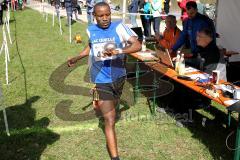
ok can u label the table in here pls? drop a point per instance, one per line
(153, 63)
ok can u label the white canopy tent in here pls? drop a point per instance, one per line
(228, 24)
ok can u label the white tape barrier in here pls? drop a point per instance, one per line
(5, 48)
(8, 29)
(60, 24)
(53, 18)
(4, 111)
(6, 122)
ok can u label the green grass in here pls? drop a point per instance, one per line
(52, 124)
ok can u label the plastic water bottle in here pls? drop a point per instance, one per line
(181, 65)
(177, 61)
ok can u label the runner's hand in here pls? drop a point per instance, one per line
(72, 61)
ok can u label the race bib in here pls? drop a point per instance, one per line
(98, 50)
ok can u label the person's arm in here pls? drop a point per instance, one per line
(133, 46)
(81, 55)
(128, 36)
(182, 38)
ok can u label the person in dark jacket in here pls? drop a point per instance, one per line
(69, 9)
(143, 18)
(75, 8)
(166, 6)
(193, 24)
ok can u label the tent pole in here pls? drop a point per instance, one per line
(124, 10)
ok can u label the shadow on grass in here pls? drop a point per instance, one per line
(213, 135)
(211, 132)
(62, 109)
(150, 84)
(29, 137)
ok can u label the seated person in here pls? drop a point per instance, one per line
(210, 53)
(170, 34)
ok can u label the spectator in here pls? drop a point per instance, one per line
(75, 8)
(182, 5)
(142, 17)
(133, 8)
(170, 34)
(147, 9)
(107, 66)
(69, 9)
(56, 4)
(62, 3)
(14, 4)
(193, 24)
(20, 4)
(156, 9)
(90, 5)
(213, 59)
(166, 7)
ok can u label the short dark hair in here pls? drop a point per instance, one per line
(191, 4)
(171, 16)
(207, 31)
(100, 4)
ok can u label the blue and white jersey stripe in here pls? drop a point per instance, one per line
(107, 69)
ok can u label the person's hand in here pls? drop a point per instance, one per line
(174, 59)
(72, 61)
(110, 52)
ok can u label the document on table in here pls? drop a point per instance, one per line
(190, 69)
(223, 87)
(199, 76)
(230, 102)
(146, 55)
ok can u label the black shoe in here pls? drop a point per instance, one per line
(115, 158)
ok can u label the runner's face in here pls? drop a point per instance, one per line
(103, 16)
